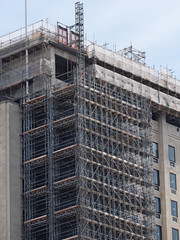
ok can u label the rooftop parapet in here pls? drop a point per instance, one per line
(65, 35)
(20, 35)
(161, 79)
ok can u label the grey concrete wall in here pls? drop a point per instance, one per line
(166, 134)
(10, 181)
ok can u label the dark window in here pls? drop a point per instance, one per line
(156, 177)
(155, 152)
(157, 205)
(158, 233)
(155, 116)
(174, 210)
(173, 180)
(64, 68)
(173, 120)
(171, 153)
(175, 234)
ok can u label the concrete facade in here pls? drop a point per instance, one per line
(10, 181)
(166, 134)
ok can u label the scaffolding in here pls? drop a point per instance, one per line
(133, 54)
(86, 140)
(105, 193)
(48, 160)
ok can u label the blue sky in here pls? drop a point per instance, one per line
(152, 26)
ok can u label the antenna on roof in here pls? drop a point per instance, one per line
(27, 60)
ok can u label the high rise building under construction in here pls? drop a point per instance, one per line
(89, 139)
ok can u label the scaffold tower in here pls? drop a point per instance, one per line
(86, 144)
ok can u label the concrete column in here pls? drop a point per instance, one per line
(53, 66)
(0, 66)
(10, 182)
(164, 177)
